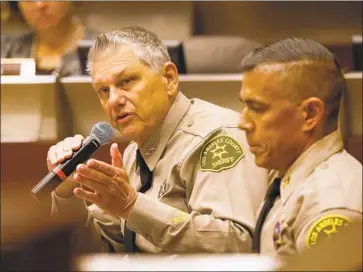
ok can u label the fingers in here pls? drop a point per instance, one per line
(77, 141)
(92, 197)
(91, 184)
(66, 150)
(51, 157)
(116, 157)
(116, 169)
(107, 182)
(109, 185)
(105, 168)
(63, 150)
(98, 183)
(86, 172)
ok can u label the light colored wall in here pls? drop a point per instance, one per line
(325, 21)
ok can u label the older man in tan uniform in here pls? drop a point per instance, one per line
(292, 90)
(187, 183)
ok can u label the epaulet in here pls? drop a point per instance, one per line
(329, 187)
(206, 118)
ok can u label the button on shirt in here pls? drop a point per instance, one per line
(320, 193)
(206, 187)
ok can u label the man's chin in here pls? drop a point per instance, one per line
(42, 26)
(128, 134)
(261, 161)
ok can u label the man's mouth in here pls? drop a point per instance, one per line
(124, 117)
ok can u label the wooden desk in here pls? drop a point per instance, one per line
(30, 109)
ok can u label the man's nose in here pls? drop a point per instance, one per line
(116, 98)
(41, 4)
(245, 124)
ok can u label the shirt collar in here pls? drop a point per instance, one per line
(308, 161)
(155, 145)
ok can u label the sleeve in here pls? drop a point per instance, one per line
(71, 205)
(97, 229)
(86, 237)
(316, 229)
(105, 227)
(327, 206)
(223, 191)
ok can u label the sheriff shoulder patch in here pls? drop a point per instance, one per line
(325, 227)
(221, 152)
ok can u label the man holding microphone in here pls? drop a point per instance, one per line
(186, 183)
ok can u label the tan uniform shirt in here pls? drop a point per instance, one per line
(206, 187)
(320, 193)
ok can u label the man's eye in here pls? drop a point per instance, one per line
(257, 108)
(126, 82)
(103, 90)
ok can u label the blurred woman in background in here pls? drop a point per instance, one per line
(54, 39)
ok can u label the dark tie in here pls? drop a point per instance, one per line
(146, 180)
(271, 195)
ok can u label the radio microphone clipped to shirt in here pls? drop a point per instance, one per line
(101, 134)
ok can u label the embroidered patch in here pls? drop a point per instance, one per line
(324, 227)
(221, 152)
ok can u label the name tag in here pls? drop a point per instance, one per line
(17, 67)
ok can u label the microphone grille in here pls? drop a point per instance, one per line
(103, 132)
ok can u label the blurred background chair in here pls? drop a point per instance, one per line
(206, 54)
(357, 50)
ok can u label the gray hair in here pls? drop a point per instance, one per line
(310, 62)
(146, 45)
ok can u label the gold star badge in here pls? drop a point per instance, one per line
(286, 182)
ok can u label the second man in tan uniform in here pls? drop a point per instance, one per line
(292, 91)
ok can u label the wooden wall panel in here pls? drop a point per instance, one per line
(325, 21)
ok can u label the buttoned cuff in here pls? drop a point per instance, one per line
(149, 218)
(71, 206)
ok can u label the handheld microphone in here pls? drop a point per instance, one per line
(101, 134)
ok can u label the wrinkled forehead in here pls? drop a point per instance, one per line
(113, 61)
(113, 52)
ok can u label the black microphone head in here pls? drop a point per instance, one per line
(103, 132)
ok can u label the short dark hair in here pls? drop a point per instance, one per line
(288, 50)
(312, 62)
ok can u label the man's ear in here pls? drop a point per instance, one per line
(171, 76)
(313, 111)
